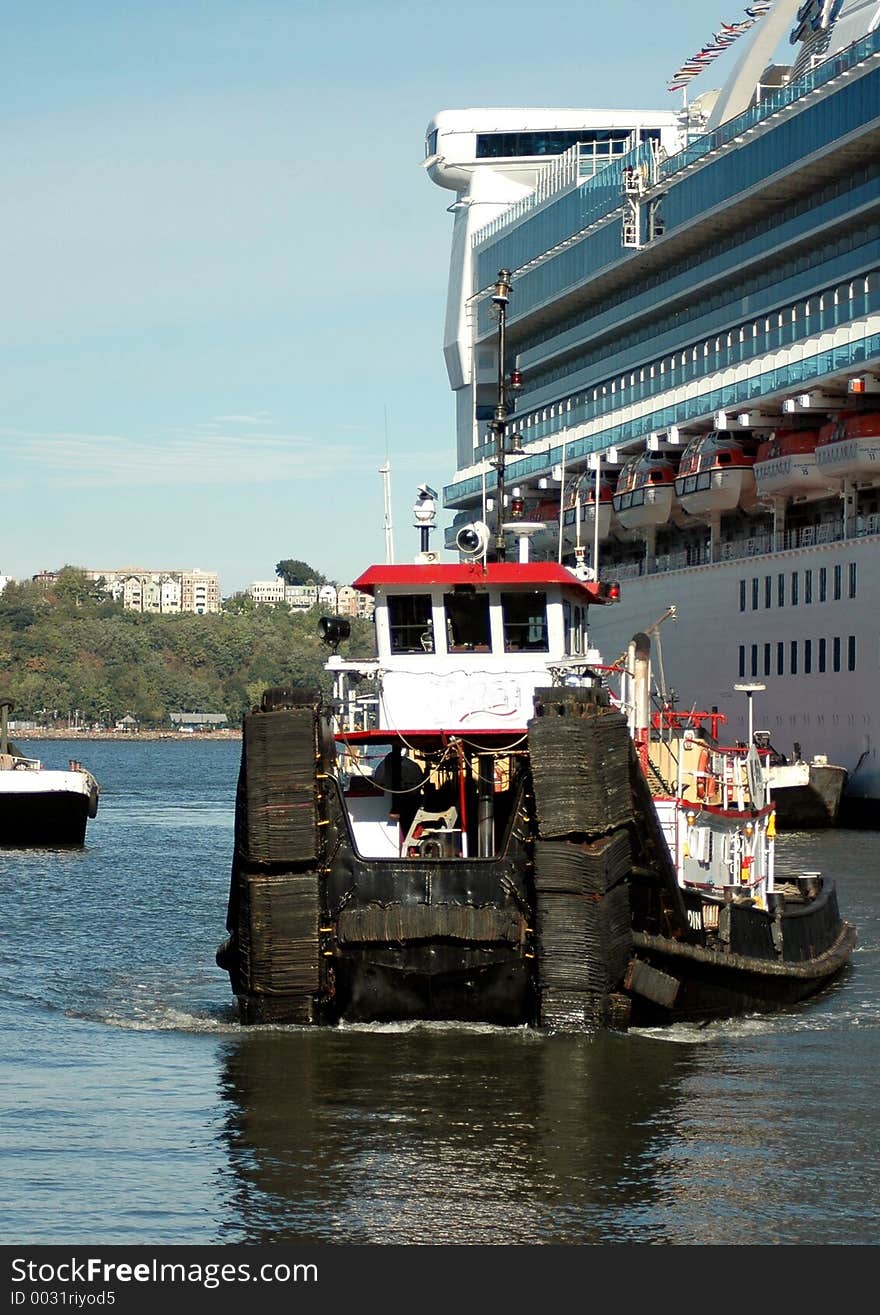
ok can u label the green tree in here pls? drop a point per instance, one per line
(74, 588)
(22, 604)
(294, 571)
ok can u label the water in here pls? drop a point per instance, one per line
(136, 1110)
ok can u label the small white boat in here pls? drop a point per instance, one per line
(806, 794)
(41, 806)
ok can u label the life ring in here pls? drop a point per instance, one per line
(705, 782)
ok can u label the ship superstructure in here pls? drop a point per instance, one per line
(703, 286)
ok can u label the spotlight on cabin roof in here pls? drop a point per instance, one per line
(333, 629)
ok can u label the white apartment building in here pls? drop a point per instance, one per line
(267, 591)
(300, 597)
(340, 600)
(168, 591)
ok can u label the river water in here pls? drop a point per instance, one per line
(136, 1110)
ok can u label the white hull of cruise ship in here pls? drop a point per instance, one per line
(712, 645)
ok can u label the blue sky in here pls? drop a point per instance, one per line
(224, 271)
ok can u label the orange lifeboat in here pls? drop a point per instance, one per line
(645, 491)
(849, 447)
(715, 474)
(786, 465)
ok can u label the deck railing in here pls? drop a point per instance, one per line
(567, 170)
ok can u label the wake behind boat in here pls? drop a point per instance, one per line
(41, 806)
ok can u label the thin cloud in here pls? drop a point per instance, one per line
(258, 418)
(113, 461)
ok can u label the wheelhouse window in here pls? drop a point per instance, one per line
(524, 617)
(573, 619)
(410, 624)
(467, 621)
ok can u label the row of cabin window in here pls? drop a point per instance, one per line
(821, 311)
(801, 654)
(835, 193)
(767, 592)
(524, 623)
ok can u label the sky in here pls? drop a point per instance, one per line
(224, 271)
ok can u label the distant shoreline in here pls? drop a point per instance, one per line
(128, 737)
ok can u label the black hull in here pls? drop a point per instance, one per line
(812, 806)
(770, 963)
(576, 921)
(436, 982)
(49, 820)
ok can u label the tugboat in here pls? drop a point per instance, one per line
(478, 826)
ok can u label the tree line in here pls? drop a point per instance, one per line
(69, 647)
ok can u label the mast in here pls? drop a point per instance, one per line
(498, 425)
(385, 472)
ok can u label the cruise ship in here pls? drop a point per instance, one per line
(690, 368)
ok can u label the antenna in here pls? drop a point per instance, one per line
(385, 472)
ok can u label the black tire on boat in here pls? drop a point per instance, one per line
(279, 780)
(287, 696)
(579, 752)
(93, 801)
(273, 955)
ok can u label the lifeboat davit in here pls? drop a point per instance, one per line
(787, 466)
(715, 474)
(645, 492)
(849, 447)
